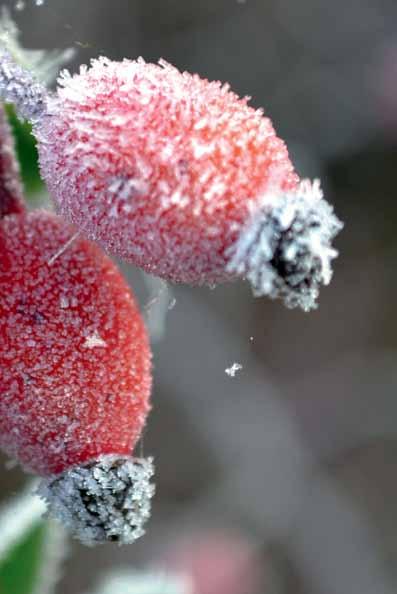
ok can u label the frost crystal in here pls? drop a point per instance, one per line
(108, 499)
(231, 371)
(93, 341)
(285, 251)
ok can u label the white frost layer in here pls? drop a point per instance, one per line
(108, 499)
(138, 582)
(285, 250)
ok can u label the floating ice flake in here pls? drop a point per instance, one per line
(93, 341)
(231, 371)
(20, 5)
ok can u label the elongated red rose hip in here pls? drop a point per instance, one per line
(181, 177)
(75, 377)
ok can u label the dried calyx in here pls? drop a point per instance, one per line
(285, 251)
(105, 500)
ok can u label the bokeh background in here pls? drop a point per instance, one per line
(282, 479)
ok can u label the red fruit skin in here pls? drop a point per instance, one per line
(75, 362)
(162, 168)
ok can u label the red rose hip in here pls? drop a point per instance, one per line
(75, 377)
(179, 176)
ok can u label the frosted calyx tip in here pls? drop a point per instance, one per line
(285, 250)
(105, 500)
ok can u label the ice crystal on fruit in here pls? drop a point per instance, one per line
(108, 499)
(93, 341)
(285, 250)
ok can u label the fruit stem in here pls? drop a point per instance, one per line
(18, 86)
(11, 192)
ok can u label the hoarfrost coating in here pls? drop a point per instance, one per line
(285, 250)
(179, 176)
(158, 166)
(108, 500)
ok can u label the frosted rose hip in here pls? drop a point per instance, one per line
(181, 177)
(75, 375)
(161, 167)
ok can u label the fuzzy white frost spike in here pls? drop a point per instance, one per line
(285, 250)
(108, 499)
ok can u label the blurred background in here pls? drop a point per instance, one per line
(282, 478)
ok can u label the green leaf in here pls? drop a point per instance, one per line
(25, 145)
(32, 549)
(21, 568)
